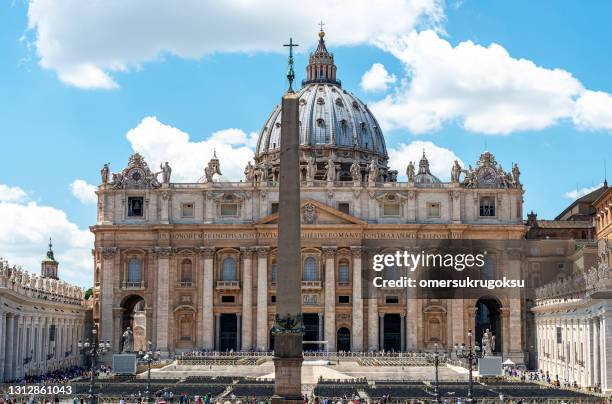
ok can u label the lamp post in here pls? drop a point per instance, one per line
(149, 356)
(470, 353)
(93, 349)
(436, 361)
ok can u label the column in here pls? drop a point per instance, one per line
(596, 345)
(238, 331)
(330, 297)
(588, 360)
(217, 331)
(381, 333)
(262, 298)
(412, 321)
(357, 315)
(207, 255)
(373, 320)
(402, 332)
(247, 298)
(606, 351)
(2, 344)
(505, 316)
(163, 297)
(10, 333)
(106, 290)
(320, 337)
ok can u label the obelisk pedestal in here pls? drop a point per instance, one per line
(288, 327)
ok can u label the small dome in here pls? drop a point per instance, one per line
(424, 176)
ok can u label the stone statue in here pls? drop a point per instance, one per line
(166, 172)
(373, 172)
(249, 173)
(356, 171)
(311, 169)
(410, 171)
(330, 168)
(470, 177)
(488, 343)
(128, 341)
(104, 173)
(516, 173)
(455, 172)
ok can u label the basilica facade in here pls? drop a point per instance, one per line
(193, 265)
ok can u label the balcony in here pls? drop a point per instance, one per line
(184, 284)
(134, 285)
(228, 285)
(311, 285)
(343, 283)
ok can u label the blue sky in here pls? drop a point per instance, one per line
(56, 130)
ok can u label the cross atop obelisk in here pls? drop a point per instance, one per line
(290, 72)
(288, 328)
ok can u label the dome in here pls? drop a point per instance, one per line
(332, 120)
(329, 116)
(424, 176)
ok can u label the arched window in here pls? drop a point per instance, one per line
(229, 269)
(134, 271)
(186, 271)
(343, 272)
(310, 269)
(274, 269)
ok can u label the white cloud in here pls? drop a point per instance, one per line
(594, 111)
(377, 78)
(484, 88)
(84, 192)
(24, 234)
(440, 158)
(86, 41)
(11, 194)
(158, 143)
(578, 193)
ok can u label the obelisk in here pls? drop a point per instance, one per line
(288, 327)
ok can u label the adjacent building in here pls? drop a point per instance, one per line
(41, 320)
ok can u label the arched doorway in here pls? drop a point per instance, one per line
(488, 316)
(392, 332)
(343, 339)
(135, 317)
(311, 331)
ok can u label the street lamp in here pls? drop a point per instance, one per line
(436, 361)
(470, 353)
(149, 356)
(93, 349)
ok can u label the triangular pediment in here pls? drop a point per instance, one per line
(314, 212)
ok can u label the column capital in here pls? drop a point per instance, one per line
(109, 252)
(356, 251)
(207, 252)
(262, 251)
(247, 252)
(163, 252)
(329, 251)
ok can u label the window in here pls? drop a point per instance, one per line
(52, 332)
(310, 269)
(344, 299)
(391, 209)
(135, 206)
(311, 299)
(489, 269)
(273, 299)
(273, 272)
(229, 209)
(391, 299)
(344, 207)
(487, 206)
(228, 299)
(273, 208)
(187, 209)
(134, 275)
(186, 272)
(229, 269)
(343, 272)
(433, 209)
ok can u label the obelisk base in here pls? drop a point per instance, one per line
(288, 368)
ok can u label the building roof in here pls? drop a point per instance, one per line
(564, 224)
(586, 199)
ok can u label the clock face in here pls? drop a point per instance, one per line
(487, 175)
(136, 175)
